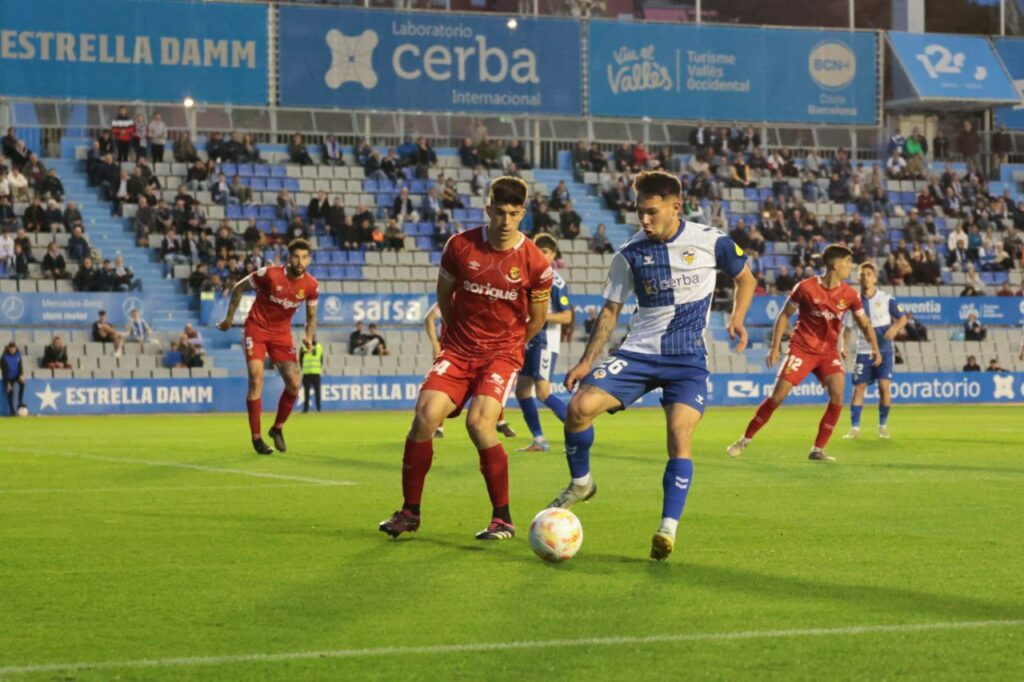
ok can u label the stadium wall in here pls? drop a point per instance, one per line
(57, 397)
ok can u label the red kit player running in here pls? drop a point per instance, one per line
(492, 290)
(821, 302)
(280, 290)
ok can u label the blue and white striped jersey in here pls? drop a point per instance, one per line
(550, 336)
(882, 310)
(674, 282)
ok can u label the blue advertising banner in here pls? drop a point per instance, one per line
(991, 310)
(1011, 52)
(727, 74)
(952, 67)
(57, 397)
(74, 310)
(367, 59)
(128, 50)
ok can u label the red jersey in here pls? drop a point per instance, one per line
(278, 297)
(821, 313)
(493, 290)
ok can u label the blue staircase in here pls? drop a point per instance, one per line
(112, 235)
(587, 203)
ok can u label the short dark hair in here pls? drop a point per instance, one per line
(867, 265)
(544, 240)
(658, 183)
(834, 252)
(298, 245)
(101, 313)
(508, 190)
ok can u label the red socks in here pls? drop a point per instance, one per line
(494, 467)
(254, 408)
(415, 465)
(284, 408)
(761, 417)
(827, 423)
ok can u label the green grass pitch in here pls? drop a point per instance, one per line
(161, 548)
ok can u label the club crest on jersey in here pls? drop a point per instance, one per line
(300, 294)
(689, 255)
(513, 274)
(841, 305)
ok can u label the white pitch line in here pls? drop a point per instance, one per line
(185, 465)
(506, 646)
(151, 489)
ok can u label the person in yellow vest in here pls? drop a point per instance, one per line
(312, 365)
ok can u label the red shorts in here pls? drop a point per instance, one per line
(259, 343)
(798, 364)
(461, 378)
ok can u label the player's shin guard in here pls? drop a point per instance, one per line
(494, 467)
(557, 405)
(828, 423)
(284, 408)
(532, 417)
(855, 411)
(416, 462)
(254, 407)
(577, 452)
(883, 415)
(675, 484)
(761, 417)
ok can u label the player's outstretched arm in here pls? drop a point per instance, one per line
(744, 295)
(869, 333)
(240, 288)
(604, 325)
(778, 331)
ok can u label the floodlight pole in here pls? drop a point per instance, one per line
(1002, 17)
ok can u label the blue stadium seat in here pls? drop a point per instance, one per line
(369, 185)
(267, 212)
(327, 242)
(356, 257)
(250, 212)
(355, 272)
(263, 225)
(245, 170)
(435, 257)
(229, 169)
(303, 211)
(234, 212)
(261, 171)
(338, 257)
(424, 243)
(257, 184)
(409, 173)
(291, 184)
(275, 184)
(278, 172)
(279, 224)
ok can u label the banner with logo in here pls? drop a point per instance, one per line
(726, 74)
(56, 397)
(127, 50)
(991, 310)
(74, 310)
(368, 59)
(1011, 52)
(952, 67)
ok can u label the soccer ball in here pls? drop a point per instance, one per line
(556, 534)
(22, 411)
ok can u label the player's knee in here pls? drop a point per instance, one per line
(479, 426)
(543, 390)
(577, 413)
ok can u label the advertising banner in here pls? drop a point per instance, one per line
(952, 67)
(949, 311)
(126, 50)
(726, 74)
(1011, 52)
(72, 309)
(55, 397)
(368, 59)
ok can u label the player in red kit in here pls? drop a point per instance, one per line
(492, 290)
(280, 290)
(821, 303)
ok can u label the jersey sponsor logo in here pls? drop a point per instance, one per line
(513, 275)
(653, 286)
(827, 314)
(493, 293)
(283, 302)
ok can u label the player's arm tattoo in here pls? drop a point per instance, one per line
(240, 288)
(604, 325)
(310, 319)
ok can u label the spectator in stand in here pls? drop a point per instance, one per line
(171, 252)
(391, 165)
(468, 154)
(569, 222)
(50, 186)
(239, 192)
(338, 223)
(430, 208)
(140, 137)
(216, 148)
(973, 329)
(156, 137)
(489, 152)
(739, 174)
(402, 209)
(377, 341)
(598, 242)
(197, 176)
(194, 337)
(55, 356)
(359, 342)
(34, 218)
(1005, 290)
(8, 219)
(139, 330)
(316, 212)
(87, 277)
(184, 150)
(250, 152)
(9, 142)
(220, 191)
(198, 278)
(69, 218)
(624, 158)
(394, 237)
(424, 157)
(968, 143)
(971, 365)
(6, 250)
(53, 265)
(286, 207)
(18, 184)
(174, 359)
(13, 371)
(372, 167)
(104, 332)
(516, 153)
(122, 129)
(560, 197)
(784, 282)
(297, 152)
(121, 193)
(940, 146)
(124, 277)
(442, 233)
(78, 246)
(331, 152)
(914, 330)
(20, 261)
(1001, 147)
(896, 165)
(450, 198)
(993, 366)
(144, 222)
(297, 229)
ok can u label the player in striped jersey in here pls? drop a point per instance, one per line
(542, 354)
(887, 319)
(670, 266)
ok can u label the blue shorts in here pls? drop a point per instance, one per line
(629, 376)
(865, 372)
(539, 364)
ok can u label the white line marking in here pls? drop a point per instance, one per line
(507, 646)
(185, 465)
(152, 489)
